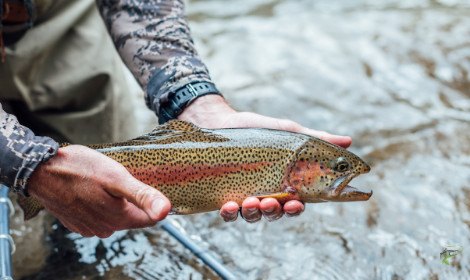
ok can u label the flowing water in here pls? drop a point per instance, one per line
(395, 75)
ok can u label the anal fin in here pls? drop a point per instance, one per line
(30, 206)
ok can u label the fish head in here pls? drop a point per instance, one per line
(323, 170)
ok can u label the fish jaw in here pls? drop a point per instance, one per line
(340, 190)
(350, 194)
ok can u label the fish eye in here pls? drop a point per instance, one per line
(341, 165)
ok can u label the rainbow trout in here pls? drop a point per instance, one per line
(201, 169)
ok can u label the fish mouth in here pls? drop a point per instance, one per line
(341, 191)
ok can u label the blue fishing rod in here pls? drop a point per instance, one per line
(199, 252)
(7, 246)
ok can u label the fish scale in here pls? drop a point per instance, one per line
(201, 169)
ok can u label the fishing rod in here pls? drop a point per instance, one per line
(199, 252)
(7, 246)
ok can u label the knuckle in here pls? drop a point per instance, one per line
(142, 195)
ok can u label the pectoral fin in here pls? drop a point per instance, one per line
(282, 197)
(179, 131)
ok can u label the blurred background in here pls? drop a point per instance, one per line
(393, 74)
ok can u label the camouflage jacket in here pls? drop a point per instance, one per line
(20, 152)
(153, 39)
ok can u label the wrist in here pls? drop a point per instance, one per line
(209, 111)
(42, 175)
(37, 179)
(172, 105)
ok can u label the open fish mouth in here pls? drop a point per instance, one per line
(341, 191)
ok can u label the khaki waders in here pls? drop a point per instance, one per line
(64, 79)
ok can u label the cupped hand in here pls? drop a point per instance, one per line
(92, 194)
(211, 111)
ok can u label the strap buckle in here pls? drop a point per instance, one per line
(191, 90)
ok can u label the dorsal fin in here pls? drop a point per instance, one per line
(173, 127)
(177, 125)
(176, 130)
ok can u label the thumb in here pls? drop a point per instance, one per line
(145, 197)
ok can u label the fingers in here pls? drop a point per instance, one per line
(250, 210)
(229, 211)
(271, 209)
(85, 231)
(342, 141)
(148, 199)
(246, 119)
(134, 218)
(128, 216)
(253, 209)
(293, 208)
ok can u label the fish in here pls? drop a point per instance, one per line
(201, 169)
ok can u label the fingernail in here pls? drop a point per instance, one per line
(157, 206)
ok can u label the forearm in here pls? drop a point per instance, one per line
(154, 40)
(21, 152)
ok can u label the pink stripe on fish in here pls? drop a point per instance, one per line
(168, 174)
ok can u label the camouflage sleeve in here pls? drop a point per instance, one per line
(154, 40)
(21, 152)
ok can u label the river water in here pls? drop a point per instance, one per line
(394, 75)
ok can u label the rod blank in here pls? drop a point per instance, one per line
(202, 254)
(6, 242)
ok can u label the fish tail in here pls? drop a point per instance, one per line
(30, 206)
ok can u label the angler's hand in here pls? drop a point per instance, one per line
(212, 111)
(92, 194)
